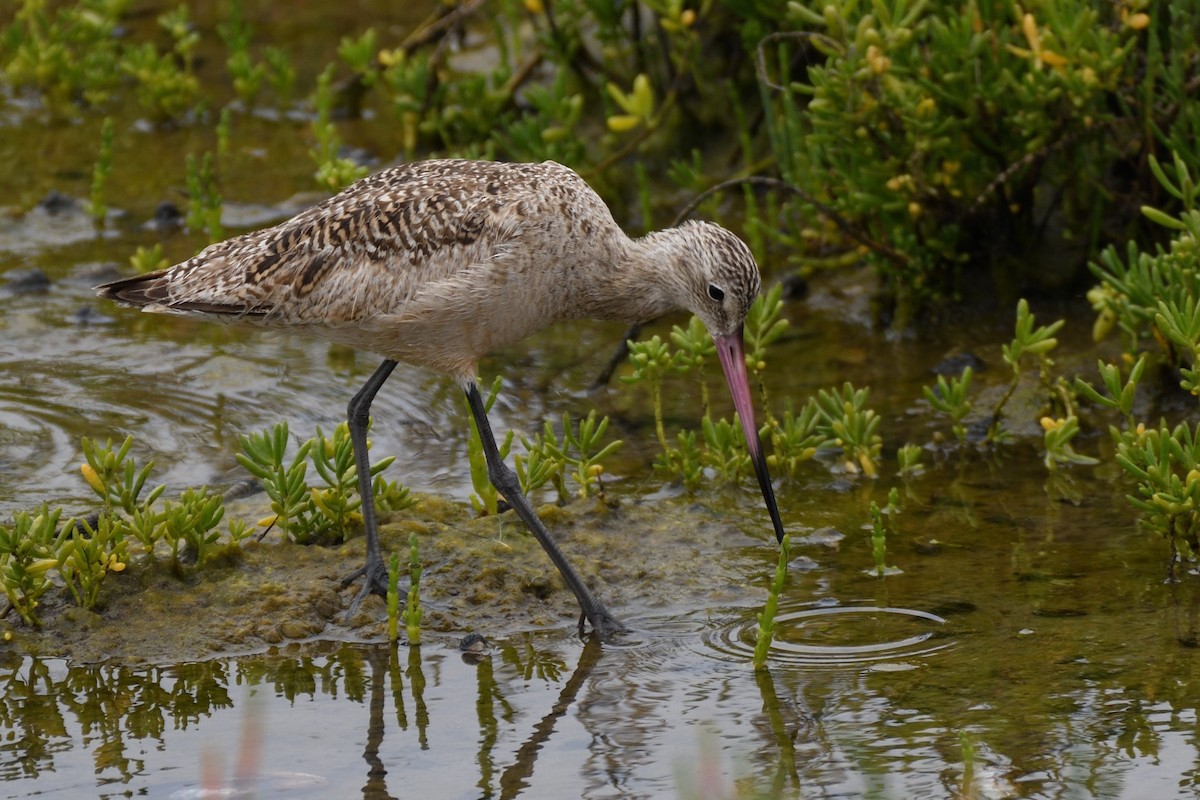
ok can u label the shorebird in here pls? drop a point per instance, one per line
(436, 263)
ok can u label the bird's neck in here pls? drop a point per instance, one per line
(642, 280)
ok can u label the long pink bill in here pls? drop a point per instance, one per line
(732, 354)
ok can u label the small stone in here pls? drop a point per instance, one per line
(167, 216)
(56, 202)
(953, 364)
(88, 315)
(26, 281)
(293, 629)
(473, 643)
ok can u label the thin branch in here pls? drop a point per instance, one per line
(439, 24)
(833, 216)
(760, 59)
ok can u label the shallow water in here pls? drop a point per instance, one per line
(1036, 634)
(1029, 645)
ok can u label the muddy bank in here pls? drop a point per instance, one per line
(482, 575)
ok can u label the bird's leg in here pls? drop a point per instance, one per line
(506, 482)
(358, 418)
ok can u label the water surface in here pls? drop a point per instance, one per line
(1030, 644)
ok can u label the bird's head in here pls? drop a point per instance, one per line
(722, 279)
(720, 284)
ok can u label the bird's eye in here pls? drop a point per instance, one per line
(716, 292)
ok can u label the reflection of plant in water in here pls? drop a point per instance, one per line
(531, 662)
(119, 705)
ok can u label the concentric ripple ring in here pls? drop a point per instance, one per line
(839, 636)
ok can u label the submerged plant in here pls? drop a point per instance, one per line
(412, 606)
(393, 598)
(1120, 395)
(685, 462)
(695, 349)
(97, 206)
(725, 449)
(766, 617)
(334, 171)
(27, 554)
(850, 425)
(338, 504)
(763, 327)
(204, 197)
(1165, 462)
(548, 458)
(908, 458)
(1147, 295)
(1029, 340)
(280, 74)
(84, 552)
(652, 361)
(166, 88)
(246, 74)
(544, 462)
(148, 259)
(950, 398)
(1057, 440)
(796, 438)
(879, 530)
(391, 497)
(837, 418)
(189, 523)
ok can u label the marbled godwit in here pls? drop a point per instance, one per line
(437, 263)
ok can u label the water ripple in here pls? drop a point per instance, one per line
(838, 636)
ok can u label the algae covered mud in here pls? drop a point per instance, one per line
(1027, 638)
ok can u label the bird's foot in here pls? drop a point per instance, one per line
(604, 625)
(375, 581)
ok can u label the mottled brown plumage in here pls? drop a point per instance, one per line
(437, 263)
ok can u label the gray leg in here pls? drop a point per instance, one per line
(358, 416)
(506, 482)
